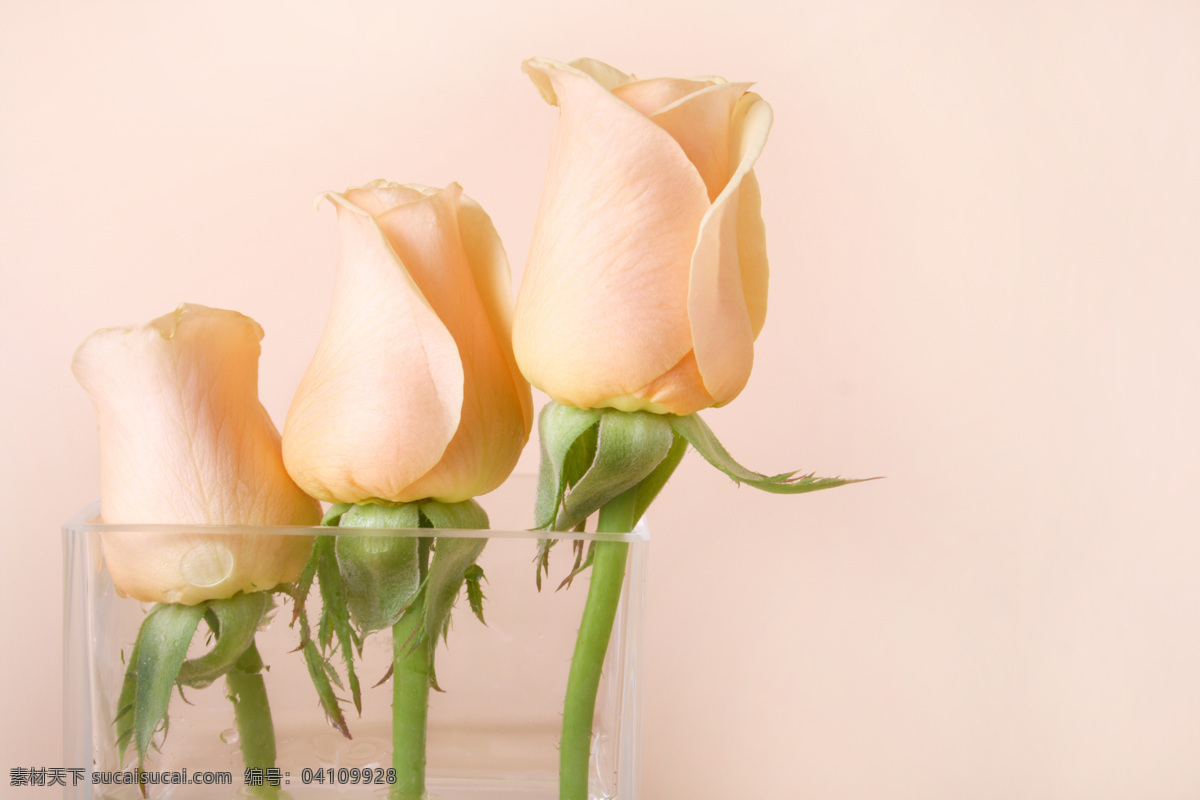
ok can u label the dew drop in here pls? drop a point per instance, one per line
(206, 564)
(229, 736)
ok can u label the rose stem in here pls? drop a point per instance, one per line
(608, 573)
(256, 731)
(411, 679)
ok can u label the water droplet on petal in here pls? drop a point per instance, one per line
(229, 736)
(206, 564)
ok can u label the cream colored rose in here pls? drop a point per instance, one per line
(413, 392)
(184, 440)
(647, 277)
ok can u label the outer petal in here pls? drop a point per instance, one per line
(680, 391)
(720, 319)
(184, 440)
(489, 264)
(496, 415)
(382, 397)
(602, 309)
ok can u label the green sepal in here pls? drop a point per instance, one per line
(333, 516)
(335, 614)
(319, 670)
(162, 646)
(475, 596)
(701, 437)
(127, 700)
(559, 428)
(234, 622)
(452, 557)
(380, 573)
(465, 516)
(628, 448)
(649, 488)
(581, 562)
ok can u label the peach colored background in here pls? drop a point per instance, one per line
(984, 223)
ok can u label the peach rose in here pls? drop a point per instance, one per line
(647, 277)
(413, 392)
(184, 440)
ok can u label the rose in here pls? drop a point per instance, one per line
(413, 392)
(184, 440)
(647, 277)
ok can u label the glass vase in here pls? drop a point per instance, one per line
(493, 729)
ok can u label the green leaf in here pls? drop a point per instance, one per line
(701, 437)
(475, 595)
(237, 620)
(559, 427)
(629, 447)
(162, 645)
(649, 488)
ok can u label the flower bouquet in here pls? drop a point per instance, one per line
(316, 574)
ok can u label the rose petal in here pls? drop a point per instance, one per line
(602, 306)
(654, 94)
(680, 391)
(700, 123)
(357, 430)
(718, 311)
(489, 264)
(428, 239)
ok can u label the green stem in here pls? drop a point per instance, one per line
(412, 676)
(608, 573)
(256, 731)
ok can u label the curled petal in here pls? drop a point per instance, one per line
(718, 308)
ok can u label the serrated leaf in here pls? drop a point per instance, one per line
(701, 437)
(559, 427)
(475, 596)
(161, 648)
(628, 449)
(236, 622)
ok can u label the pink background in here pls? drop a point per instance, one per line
(983, 223)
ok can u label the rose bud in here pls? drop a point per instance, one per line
(184, 440)
(413, 392)
(646, 284)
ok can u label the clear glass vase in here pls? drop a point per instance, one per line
(493, 731)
